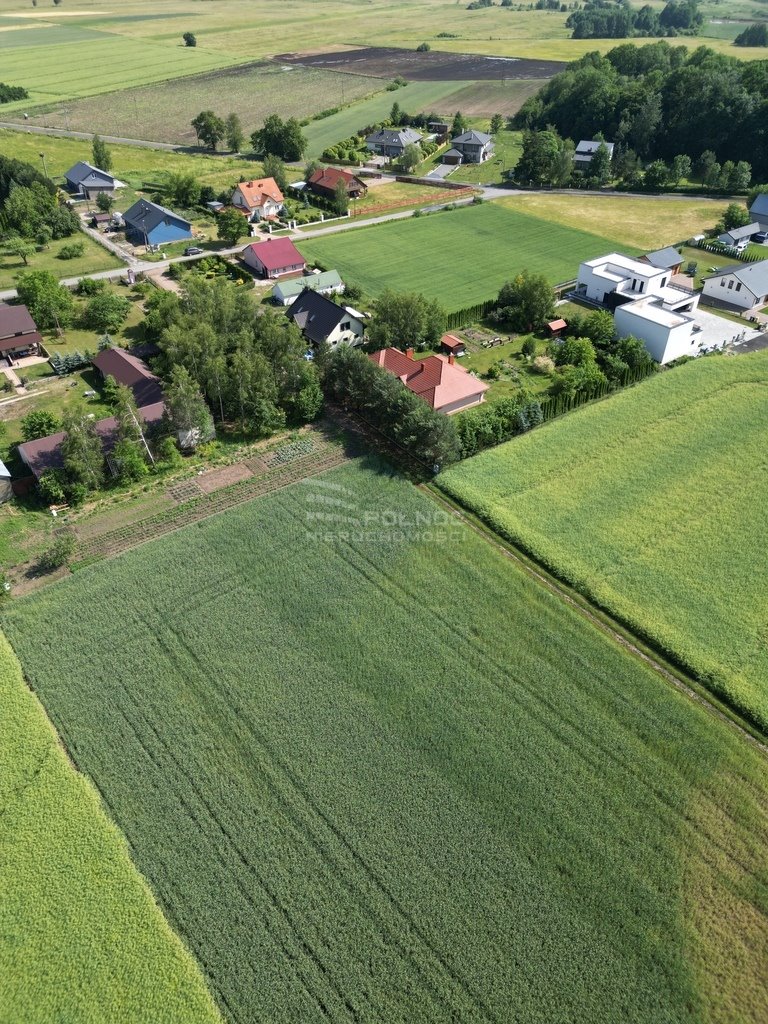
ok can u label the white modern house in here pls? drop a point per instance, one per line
(743, 287)
(644, 302)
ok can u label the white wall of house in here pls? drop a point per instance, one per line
(598, 278)
(666, 336)
(462, 403)
(728, 289)
(348, 332)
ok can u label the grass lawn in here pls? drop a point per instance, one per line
(78, 923)
(302, 789)
(135, 165)
(706, 262)
(648, 503)
(646, 223)
(508, 147)
(94, 258)
(458, 257)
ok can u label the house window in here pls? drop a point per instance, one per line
(722, 282)
(634, 283)
(346, 326)
(664, 282)
(738, 287)
(730, 285)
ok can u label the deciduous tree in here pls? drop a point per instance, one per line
(231, 226)
(102, 158)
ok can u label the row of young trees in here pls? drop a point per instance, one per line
(658, 102)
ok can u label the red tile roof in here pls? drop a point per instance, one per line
(329, 177)
(435, 379)
(557, 325)
(257, 192)
(452, 343)
(276, 253)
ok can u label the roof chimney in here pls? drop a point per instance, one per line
(409, 353)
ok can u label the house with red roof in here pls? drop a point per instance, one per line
(273, 258)
(439, 380)
(325, 181)
(260, 199)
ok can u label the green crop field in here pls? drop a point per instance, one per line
(653, 503)
(78, 926)
(458, 257)
(376, 773)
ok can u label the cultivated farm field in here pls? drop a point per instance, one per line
(415, 810)
(653, 503)
(458, 257)
(163, 113)
(79, 925)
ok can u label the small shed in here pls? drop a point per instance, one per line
(556, 327)
(453, 156)
(452, 345)
(6, 488)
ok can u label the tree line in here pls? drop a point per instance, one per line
(657, 102)
(604, 19)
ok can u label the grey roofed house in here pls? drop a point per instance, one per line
(392, 141)
(739, 234)
(754, 277)
(151, 223)
(664, 259)
(475, 147)
(321, 319)
(758, 211)
(85, 178)
(586, 149)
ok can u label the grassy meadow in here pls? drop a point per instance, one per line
(505, 810)
(94, 259)
(79, 924)
(653, 503)
(458, 257)
(646, 223)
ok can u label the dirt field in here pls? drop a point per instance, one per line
(432, 66)
(483, 99)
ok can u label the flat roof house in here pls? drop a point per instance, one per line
(150, 224)
(325, 181)
(274, 257)
(259, 199)
(586, 149)
(322, 320)
(475, 147)
(19, 335)
(667, 335)
(328, 282)
(391, 142)
(440, 381)
(85, 180)
(743, 287)
(132, 372)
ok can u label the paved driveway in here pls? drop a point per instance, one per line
(441, 171)
(717, 331)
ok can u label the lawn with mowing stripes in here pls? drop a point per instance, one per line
(81, 938)
(653, 503)
(376, 773)
(458, 257)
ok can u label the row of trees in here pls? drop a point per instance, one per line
(210, 129)
(31, 213)
(53, 306)
(278, 138)
(660, 101)
(603, 19)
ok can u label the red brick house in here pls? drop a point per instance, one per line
(325, 180)
(273, 258)
(439, 380)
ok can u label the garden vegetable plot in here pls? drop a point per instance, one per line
(375, 773)
(78, 926)
(654, 504)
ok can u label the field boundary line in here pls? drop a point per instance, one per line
(694, 690)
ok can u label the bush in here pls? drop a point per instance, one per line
(71, 251)
(87, 286)
(50, 487)
(58, 554)
(529, 347)
(544, 365)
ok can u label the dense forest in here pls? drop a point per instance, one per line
(660, 101)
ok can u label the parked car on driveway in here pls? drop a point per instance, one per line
(193, 250)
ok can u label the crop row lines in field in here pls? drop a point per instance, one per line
(125, 537)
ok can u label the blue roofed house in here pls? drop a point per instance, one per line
(758, 211)
(88, 181)
(150, 224)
